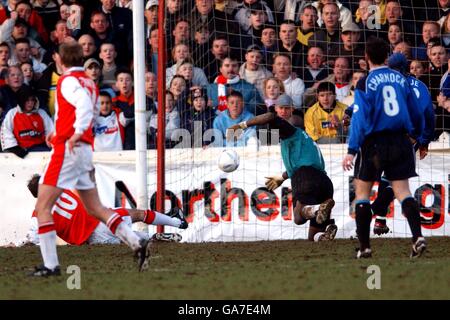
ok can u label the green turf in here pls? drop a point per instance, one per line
(254, 270)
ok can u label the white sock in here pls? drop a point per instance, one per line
(48, 249)
(127, 235)
(162, 219)
(310, 211)
(317, 236)
(381, 218)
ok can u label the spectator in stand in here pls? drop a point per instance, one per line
(8, 92)
(151, 15)
(323, 120)
(22, 53)
(293, 86)
(25, 127)
(243, 13)
(152, 52)
(227, 6)
(201, 44)
(172, 122)
(234, 114)
(252, 71)
(404, 48)
(46, 86)
(229, 81)
(25, 11)
(308, 24)
(180, 53)
(273, 88)
(395, 35)
(350, 98)
(60, 34)
(430, 29)
(416, 68)
(151, 95)
(315, 69)
(100, 30)
(394, 15)
(445, 32)
(88, 44)
(269, 44)
(4, 58)
(28, 74)
(199, 114)
(329, 35)
(438, 66)
(344, 14)
(64, 12)
(173, 13)
(108, 126)
(127, 4)
(217, 22)
(121, 22)
(291, 46)
(125, 102)
(211, 63)
(180, 35)
(108, 57)
(16, 28)
(340, 79)
(350, 47)
(49, 12)
(93, 70)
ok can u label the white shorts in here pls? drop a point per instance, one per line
(70, 170)
(102, 234)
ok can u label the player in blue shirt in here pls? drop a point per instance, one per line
(398, 62)
(312, 189)
(385, 116)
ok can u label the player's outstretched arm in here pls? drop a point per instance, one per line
(256, 121)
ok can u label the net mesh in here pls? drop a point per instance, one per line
(286, 46)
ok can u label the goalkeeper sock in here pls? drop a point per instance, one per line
(123, 231)
(363, 220)
(410, 208)
(309, 212)
(47, 244)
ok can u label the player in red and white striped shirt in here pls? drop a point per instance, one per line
(75, 226)
(71, 167)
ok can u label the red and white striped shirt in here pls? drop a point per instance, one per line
(76, 106)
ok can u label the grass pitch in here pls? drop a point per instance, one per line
(253, 270)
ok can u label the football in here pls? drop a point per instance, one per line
(228, 160)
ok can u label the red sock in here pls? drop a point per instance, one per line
(113, 222)
(149, 216)
(46, 227)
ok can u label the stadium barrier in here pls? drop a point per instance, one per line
(228, 207)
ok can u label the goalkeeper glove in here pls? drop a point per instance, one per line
(274, 182)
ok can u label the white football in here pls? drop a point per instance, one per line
(228, 160)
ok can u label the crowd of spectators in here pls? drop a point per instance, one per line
(227, 60)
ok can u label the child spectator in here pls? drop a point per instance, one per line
(273, 88)
(323, 120)
(125, 102)
(181, 53)
(172, 120)
(28, 74)
(26, 126)
(198, 115)
(417, 68)
(109, 126)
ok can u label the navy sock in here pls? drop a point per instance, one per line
(410, 209)
(363, 219)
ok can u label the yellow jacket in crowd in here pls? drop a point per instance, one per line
(318, 122)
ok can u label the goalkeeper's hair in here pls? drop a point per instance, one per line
(33, 184)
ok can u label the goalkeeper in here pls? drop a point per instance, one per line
(312, 189)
